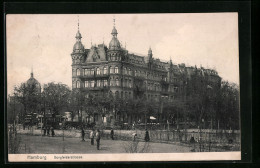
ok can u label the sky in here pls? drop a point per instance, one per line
(44, 42)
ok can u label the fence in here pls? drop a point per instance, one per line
(204, 140)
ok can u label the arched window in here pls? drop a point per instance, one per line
(117, 82)
(78, 84)
(105, 70)
(125, 71)
(98, 71)
(78, 72)
(110, 70)
(116, 70)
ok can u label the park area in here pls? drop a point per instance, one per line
(161, 141)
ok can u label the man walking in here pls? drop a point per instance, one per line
(44, 131)
(147, 137)
(112, 134)
(82, 134)
(98, 139)
(48, 131)
(52, 132)
(91, 136)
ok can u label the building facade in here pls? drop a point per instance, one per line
(113, 69)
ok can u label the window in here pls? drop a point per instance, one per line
(116, 70)
(130, 72)
(98, 71)
(98, 83)
(125, 82)
(92, 72)
(92, 83)
(129, 94)
(136, 73)
(78, 72)
(125, 71)
(117, 82)
(110, 70)
(78, 84)
(130, 83)
(86, 84)
(105, 82)
(86, 72)
(112, 82)
(105, 70)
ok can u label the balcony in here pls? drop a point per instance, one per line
(93, 76)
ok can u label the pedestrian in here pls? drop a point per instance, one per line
(82, 134)
(91, 135)
(134, 136)
(98, 138)
(146, 138)
(192, 139)
(44, 131)
(112, 134)
(52, 132)
(48, 131)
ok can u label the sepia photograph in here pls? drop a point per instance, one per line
(123, 87)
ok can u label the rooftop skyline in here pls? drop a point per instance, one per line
(46, 41)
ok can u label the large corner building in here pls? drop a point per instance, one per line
(112, 69)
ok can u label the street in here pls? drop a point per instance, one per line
(55, 145)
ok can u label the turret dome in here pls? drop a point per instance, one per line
(78, 47)
(114, 44)
(32, 82)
